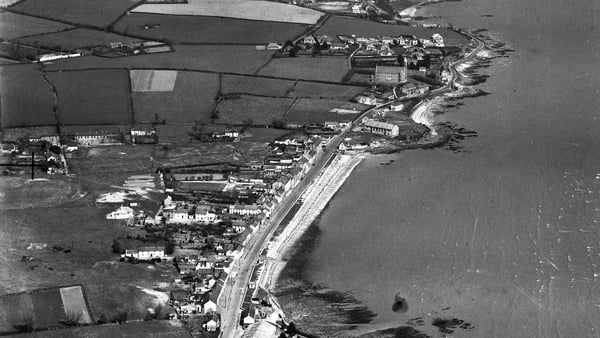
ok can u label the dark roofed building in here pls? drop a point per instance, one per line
(390, 74)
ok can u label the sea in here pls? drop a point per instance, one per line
(500, 235)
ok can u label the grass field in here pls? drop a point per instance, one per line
(254, 10)
(152, 329)
(152, 80)
(317, 111)
(237, 153)
(75, 38)
(205, 29)
(328, 91)
(260, 110)
(15, 25)
(263, 135)
(330, 69)
(27, 99)
(93, 96)
(341, 25)
(46, 307)
(112, 165)
(255, 85)
(192, 99)
(89, 12)
(235, 59)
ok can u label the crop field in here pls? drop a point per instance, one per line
(255, 85)
(240, 9)
(341, 25)
(254, 109)
(27, 99)
(326, 91)
(93, 13)
(152, 80)
(93, 96)
(74, 303)
(46, 307)
(207, 29)
(192, 99)
(318, 111)
(16, 25)
(330, 69)
(75, 38)
(234, 59)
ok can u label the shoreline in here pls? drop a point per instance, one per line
(315, 199)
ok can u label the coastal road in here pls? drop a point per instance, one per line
(234, 290)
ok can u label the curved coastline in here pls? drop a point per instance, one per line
(332, 177)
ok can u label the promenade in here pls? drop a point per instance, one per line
(315, 199)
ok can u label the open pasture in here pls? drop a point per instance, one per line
(27, 99)
(86, 12)
(206, 29)
(75, 38)
(342, 25)
(240, 9)
(252, 110)
(92, 96)
(192, 99)
(234, 59)
(255, 85)
(308, 111)
(14, 25)
(146, 80)
(151, 329)
(331, 69)
(325, 91)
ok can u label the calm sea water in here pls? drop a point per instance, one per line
(506, 234)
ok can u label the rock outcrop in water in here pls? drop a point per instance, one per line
(400, 304)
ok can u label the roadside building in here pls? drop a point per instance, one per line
(390, 74)
(143, 136)
(382, 128)
(145, 253)
(244, 209)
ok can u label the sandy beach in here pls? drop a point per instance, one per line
(315, 199)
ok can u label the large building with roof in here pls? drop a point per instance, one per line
(390, 74)
(382, 128)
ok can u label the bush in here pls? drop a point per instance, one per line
(118, 247)
(26, 325)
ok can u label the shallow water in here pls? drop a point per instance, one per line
(504, 234)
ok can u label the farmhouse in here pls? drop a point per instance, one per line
(390, 75)
(382, 128)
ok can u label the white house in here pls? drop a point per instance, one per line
(244, 210)
(145, 253)
(382, 128)
(437, 40)
(121, 213)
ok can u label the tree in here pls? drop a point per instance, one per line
(26, 325)
(170, 248)
(278, 123)
(247, 122)
(118, 246)
(214, 115)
